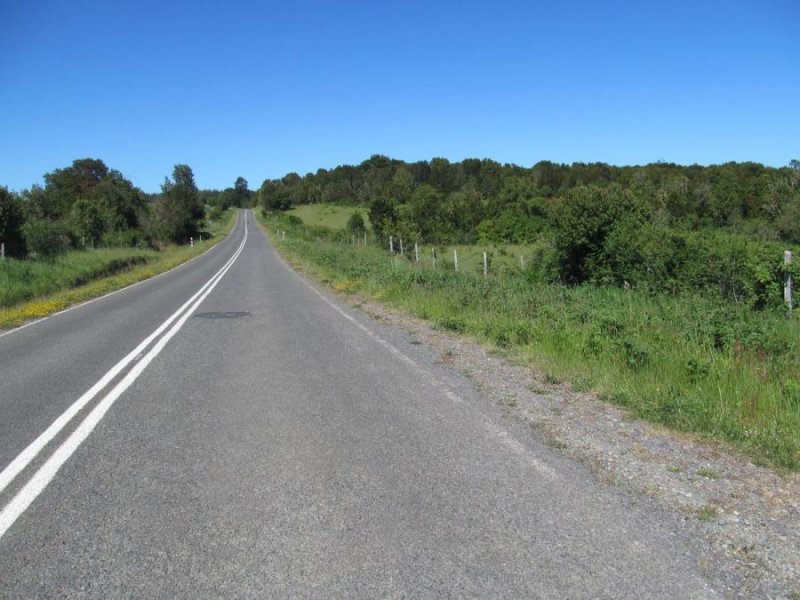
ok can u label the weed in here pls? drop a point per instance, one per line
(581, 384)
(707, 512)
(708, 473)
(551, 379)
(674, 469)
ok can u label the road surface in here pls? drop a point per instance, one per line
(257, 439)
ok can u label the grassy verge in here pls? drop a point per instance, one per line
(327, 215)
(34, 289)
(689, 362)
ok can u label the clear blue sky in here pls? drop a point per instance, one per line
(259, 89)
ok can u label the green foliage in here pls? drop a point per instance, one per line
(179, 212)
(693, 361)
(585, 219)
(91, 219)
(214, 213)
(356, 225)
(12, 220)
(46, 239)
(383, 217)
(88, 180)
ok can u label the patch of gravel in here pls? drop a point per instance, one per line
(745, 517)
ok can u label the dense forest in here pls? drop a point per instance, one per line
(661, 226)
(87, 204)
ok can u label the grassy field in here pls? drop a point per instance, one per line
(33, 289)
(689, 362)
(327, 215)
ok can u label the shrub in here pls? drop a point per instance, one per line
(47, 238)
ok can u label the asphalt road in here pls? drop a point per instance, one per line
(271, 443)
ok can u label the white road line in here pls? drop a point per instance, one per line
(23, 499)
(127, 287)
(496, 431)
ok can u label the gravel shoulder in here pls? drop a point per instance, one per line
(743, 517)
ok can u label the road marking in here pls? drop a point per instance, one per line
(499, 433)
(45, 474)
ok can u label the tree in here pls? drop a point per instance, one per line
(355, 224)
(274, 196)
(91, 219)
(179, 212)
(12, 220)
(584, 219)
(241, 193)
(382, 217)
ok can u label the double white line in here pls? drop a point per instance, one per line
(28, 493)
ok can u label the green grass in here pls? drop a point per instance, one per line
(32, 289)
(22, 280)
(690, 362)
(331, 216)
(706, 513)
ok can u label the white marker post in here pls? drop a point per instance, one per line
(416, 252)
(485, 264)
(191, 241)
(391, 244)
(455, 259)
(2, 250)
(787, 284)
(401, 247)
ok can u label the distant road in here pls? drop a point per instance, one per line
(225, 430)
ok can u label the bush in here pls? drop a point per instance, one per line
(47, 238)
(584, 220)
(356, 225)
(12, 219)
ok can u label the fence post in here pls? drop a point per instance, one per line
(433, 254)
(401, 247)
(2, 250)
(522, 262)
(191, 241)
(455, 259)
(416, 252)
(391, 244)
(485, 264)
(787, 284)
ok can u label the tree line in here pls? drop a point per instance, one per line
(662, 225)
(88, 204)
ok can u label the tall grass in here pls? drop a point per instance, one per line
(691, 362)
(22, 280)
(35, 288)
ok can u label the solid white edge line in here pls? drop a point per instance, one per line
(127, 287)
(495, 430)
(25, 457)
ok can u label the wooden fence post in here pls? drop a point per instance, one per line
(787, 284)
